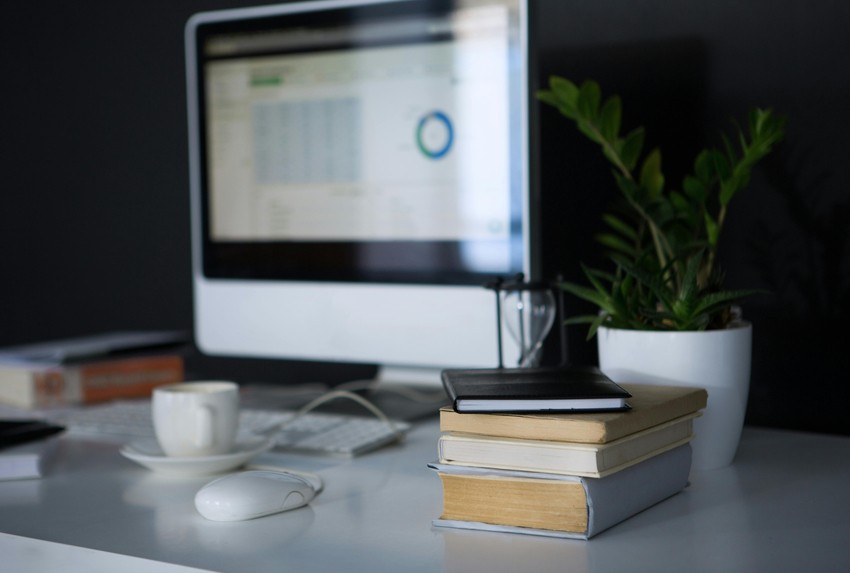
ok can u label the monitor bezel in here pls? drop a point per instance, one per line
(419, 325)
(375, 261)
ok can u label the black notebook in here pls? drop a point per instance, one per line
(562, 389)
(16, 432)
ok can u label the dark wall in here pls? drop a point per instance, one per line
(684, 69)
(94, 216)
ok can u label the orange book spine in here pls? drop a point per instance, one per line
(107, 380)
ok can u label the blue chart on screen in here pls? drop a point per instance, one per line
(434, 135)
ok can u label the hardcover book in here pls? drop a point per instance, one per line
(650, 405)
(559, 389)
(589, 460)
(63, 385)
(90, 369)
(557, 505)
(27, 461)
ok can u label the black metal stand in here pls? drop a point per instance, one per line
(518, 283)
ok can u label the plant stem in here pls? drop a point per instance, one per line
(659, 241)
(705, 275)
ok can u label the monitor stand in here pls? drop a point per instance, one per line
(407, 394)
(404, 394)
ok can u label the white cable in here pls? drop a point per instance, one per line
(333, 395)
(315, 480)
(411, 394)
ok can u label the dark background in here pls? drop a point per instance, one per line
(94, 215)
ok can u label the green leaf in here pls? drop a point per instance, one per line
(548, 97)
(632, 147)
(620, 226)
(730, 151)
(562, 94)
(596, 277)
(679, 203)
(651, 178)
(654, 282)
(594, 326)
(663, 212)
(730, 187)
(599, 274)
(616, 243)
(588, 99)
(689, 289)
(565, 109)
(694, 188)
(565, 90)
(704, 167)
(609, 118)
(759, 121)
(602, 300)
(589, 130)
(627, 187)
(714, 301)
(720, 164)
(581, 319)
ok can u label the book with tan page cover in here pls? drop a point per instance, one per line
(557, 505)
(650, 405)
(573, 458)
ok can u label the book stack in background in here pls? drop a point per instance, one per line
(90, 369)
(565, 474)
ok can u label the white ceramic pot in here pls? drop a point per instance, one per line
(717, 360)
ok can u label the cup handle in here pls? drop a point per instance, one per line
(204, 427)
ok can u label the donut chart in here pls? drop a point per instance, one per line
(435, 135)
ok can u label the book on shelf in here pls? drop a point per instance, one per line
(27, 461)
(650, 405)
(567, 388)
(89, 369)
(557, 505)
(574, 458)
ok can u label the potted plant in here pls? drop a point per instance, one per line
(664, 314)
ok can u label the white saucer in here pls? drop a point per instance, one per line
(150, 455)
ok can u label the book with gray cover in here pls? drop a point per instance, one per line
(610, 500)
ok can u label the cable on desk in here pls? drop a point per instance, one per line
(315, 480)
(333, 395)
(436, 397)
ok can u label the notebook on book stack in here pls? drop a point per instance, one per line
(561, 389)
(565, 474)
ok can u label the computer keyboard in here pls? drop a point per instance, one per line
(312, 432)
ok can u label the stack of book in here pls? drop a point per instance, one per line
(565, 474)
(83, 370)
(26, 447)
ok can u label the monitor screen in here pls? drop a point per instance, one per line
(358, 173)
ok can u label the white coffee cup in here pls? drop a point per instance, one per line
(194, 419)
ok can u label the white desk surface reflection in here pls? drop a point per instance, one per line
(782, 506)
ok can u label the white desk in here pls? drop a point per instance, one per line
(783, 506)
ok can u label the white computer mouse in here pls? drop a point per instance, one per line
(253, 493)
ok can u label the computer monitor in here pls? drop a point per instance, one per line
(359, 171)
